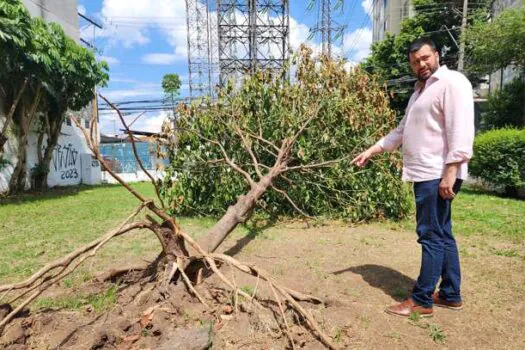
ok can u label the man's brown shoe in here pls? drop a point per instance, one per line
(447, 304)
(408, 307)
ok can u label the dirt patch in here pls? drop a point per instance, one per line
(359, 271)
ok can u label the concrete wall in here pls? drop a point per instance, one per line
(63, 12)
(65, 167)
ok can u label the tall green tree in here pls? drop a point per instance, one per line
(15, 34)
(171, 86)
(70, 86)
(499, 43)
(45, 74)
(434, 18)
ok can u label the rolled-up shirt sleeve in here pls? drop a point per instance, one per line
(394, 138)
(458, 110)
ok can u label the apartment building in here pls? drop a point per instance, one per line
(387, 16)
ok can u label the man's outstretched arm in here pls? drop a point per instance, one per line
(388, 143)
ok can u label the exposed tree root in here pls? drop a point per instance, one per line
(175, 257)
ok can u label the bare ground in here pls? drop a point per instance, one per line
(358, 270)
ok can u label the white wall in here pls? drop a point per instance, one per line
(138, 176)
(10, 149)
(65, 167)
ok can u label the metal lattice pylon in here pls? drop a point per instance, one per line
(202, 48)
(252, 34)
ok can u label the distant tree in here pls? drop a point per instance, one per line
(499, 43)
(506, 107)
(171, 86)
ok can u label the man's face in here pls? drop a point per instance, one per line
(424, 62)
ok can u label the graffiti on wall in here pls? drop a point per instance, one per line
(65, 159)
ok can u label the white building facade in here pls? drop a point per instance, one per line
(388, 15)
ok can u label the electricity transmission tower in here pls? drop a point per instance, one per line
(328, 28)
(252, 34)
(202, 47)
(233, 38)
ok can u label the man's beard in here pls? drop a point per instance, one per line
(431, 71)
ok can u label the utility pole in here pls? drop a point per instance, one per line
(461, 60)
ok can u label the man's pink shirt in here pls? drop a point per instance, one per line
(437, 129)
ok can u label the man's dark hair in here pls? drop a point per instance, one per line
(417, 44)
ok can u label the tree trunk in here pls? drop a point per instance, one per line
(9, 117)
(17, 181)
(236, 214)
(25, 120)
(54, 128)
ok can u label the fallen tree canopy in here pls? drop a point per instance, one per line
(328, 114)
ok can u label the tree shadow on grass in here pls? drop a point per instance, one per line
(50, 194)
(390, 281)
(254, 230)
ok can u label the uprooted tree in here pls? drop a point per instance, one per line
(273, 135)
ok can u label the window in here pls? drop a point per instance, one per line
(406, 8)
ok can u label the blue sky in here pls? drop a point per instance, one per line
(144, 39)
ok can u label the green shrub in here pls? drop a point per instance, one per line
(506, 107)
(351, 114)
(499, 158)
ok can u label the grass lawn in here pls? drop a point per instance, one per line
(36, 228)
(477, 212)
(365, 267)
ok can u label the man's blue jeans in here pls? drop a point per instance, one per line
(440, 256)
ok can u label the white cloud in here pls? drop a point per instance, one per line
(368, 7)
(129, 22)
(358, 43)
(120, 94)
(160, 58)
(113, 79)
(110, 60)
(81, 9)
(138, 90)
(151, 121)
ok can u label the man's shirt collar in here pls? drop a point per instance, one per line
(437, 75)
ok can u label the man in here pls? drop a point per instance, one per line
(436, 135)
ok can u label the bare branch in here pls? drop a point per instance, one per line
(227, 158)
(249, 149)
(148, 203)
(302, 128)
(262, 139)
(134, 147)
(326, 164)
(95, 151)
(285, 195)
